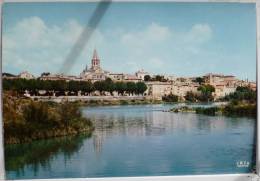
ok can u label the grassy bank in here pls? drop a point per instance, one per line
(239, 109)
(242, 102)
(26, 120)
(117, 102)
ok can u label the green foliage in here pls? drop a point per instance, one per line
(124, 102)
(159, 78)
(29, 120)
(208, 111)
(206, 88)
(240, 109)
(242, 94)
(131, 87)
(120, 87)
(199, 80)
(206, 92)
(190, 97)
(140, 88)
(59, 87)
(147, 78)
(170, 98)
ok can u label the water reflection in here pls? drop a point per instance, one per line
(139, 140)
(151, 120)
(39, 154)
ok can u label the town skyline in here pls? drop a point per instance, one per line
(172, 43)
(95, 57)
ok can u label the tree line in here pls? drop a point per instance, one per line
(62, 87)
(242, 94)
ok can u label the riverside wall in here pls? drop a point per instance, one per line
(88, 98)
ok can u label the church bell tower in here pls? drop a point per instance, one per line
(95, 62)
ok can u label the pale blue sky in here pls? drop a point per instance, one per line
(183, 39)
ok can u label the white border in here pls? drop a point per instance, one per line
(222, 177)
(185, 1)
(2, 161)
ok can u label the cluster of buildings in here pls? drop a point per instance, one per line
(223, 84)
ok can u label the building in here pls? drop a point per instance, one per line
(95, 73)
(215, 79)
(116, 76)
(53, 77)
(49, 76)
(9, 76)
(157, 89)
(252, 85)
(181, 88)
(25, 75)
(140, 74)
(223, 84)
(222, 90)
(131, 78)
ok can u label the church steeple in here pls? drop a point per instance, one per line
(95, 55)
(95, 62)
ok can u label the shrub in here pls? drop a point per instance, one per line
(170, 98)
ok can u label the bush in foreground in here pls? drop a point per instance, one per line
(26, 120)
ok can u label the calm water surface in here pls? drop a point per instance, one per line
(139, 140)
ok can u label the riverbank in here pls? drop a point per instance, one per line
(26, 120)
(239, 109)
(98, 100)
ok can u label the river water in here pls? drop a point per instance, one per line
(140, 140)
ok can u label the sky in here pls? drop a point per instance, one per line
(181, 39)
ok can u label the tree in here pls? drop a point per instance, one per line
(109, 86)
(206, 92)
(140, 88)
(73, 87)
(242, 94)
(86, 86)
(147, 78)
(190, 97)
(60, 86)
(200, 80)
(159, 78)
(99, 86)
(120, 87)
(130, 87)
(45, 74)
(170, 98)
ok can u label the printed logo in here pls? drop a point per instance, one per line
(243, 164)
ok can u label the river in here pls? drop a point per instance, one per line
(139, 140)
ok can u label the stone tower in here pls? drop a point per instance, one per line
(95, 62)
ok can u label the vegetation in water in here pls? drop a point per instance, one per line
(241, 103)
(208, 111)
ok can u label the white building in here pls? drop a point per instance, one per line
(26, 75)
(181, 88)
(116, 76)
(157, 89)
(140, 74)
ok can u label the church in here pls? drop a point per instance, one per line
(95, 72)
